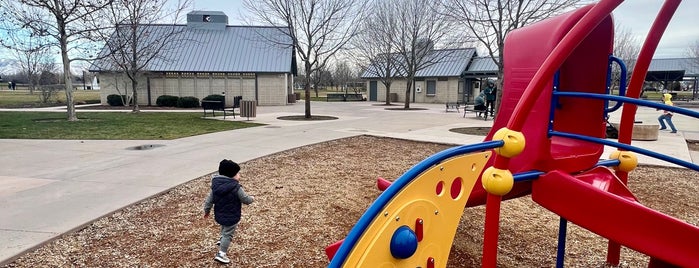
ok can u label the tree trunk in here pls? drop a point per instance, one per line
(134, 86)
(67, 79)
(388, 93)
(307, 90)
(408, 89)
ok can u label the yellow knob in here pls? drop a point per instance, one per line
(627, 160)
(514, 142)
(497, 181)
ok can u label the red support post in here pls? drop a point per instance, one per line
(492, 231)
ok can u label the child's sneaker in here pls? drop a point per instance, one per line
(222, 258)
(218, 243)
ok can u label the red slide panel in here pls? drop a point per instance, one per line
(618, 218)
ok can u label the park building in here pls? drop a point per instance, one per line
(456, 76)
(670, 70)
(459, 76)
(209, 57)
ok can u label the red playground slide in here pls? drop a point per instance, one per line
(596, 200)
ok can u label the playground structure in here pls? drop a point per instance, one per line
(546, 142)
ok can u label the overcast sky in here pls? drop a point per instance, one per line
(636, 15)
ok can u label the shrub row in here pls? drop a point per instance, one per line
(163, 101)
(167, 101)
(175, 101)
(215, 97)
(116, 100)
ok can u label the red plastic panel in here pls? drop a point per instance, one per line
(584, 70)
(618, 218)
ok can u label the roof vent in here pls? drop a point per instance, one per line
(207, 20)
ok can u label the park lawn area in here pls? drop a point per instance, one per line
(110, 125)
(22, 98)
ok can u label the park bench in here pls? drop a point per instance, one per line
(344, 97)
(479, 113)
(453, 105)
(677, 97)
(220, 106)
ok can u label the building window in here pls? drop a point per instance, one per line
(431, 87)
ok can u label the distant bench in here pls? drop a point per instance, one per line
(221, 106)
(344, 97)
(479, 113)
(678, 97)
(454, 105)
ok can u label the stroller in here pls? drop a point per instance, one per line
(612, 132)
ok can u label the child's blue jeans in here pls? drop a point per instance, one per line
(668, 118)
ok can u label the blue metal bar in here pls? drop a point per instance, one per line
(608, 84)
(622, 83)
(622, 79)
(609, 163)
(554, 99)
(376, 208)
(534, 174)
(627, 147)
(527, 175)
(651, 104)
(562, 232)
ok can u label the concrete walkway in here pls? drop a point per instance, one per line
(49, 187)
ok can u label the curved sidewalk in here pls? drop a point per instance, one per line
(49, 187)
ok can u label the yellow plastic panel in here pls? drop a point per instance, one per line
(440, 213)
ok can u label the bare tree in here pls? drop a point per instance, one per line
(342, 75)
(135, 40)
(374, 48)
(32, 54)
(693, 53)
(318, 29)
(320, 78)
(47, 81)
(626, 48)
(489, 21)
(421, 25)
(63, 22)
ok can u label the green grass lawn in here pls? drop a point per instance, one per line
(110, 125)
(23, 99)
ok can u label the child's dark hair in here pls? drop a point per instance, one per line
(228, 168)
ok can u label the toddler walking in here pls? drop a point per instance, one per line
(226, 197)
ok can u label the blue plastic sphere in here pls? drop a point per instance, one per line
(403, 243)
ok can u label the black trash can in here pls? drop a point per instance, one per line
(393, 97)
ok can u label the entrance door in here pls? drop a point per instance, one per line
(373, 91)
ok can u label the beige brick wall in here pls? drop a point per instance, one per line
(120, 85)
(272, 89)
(447, 91)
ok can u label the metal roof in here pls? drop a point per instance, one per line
(690, 66)
(481, 66)
(450, 63)
(258, 49)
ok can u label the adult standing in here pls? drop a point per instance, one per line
(490, 96)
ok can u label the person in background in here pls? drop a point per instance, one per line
(479, 102)
(490, 96)
(226, 197)
(666, 116)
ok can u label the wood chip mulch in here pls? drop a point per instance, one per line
(310, 197)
